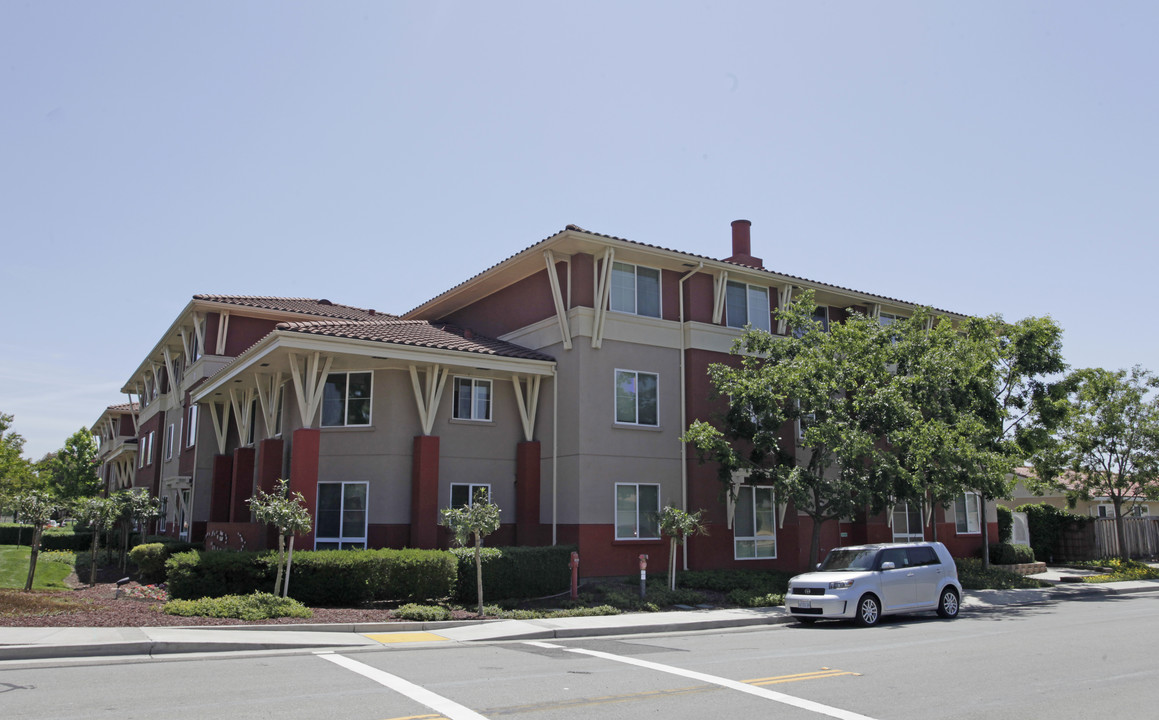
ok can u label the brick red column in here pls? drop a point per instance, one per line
(424, 493)
(222, 488)
(527, 493)
(243, 484)
(269, 463)
(304, 476)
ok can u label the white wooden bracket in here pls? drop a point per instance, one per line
(603, 291)
(243, 404)
(557, 297)
(222, 331)
(427, 399)
(719, 287)
(784, 297)
(269, 395)
(220, 423)
(527, 403)
(309, 385)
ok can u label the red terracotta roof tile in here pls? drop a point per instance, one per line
(415, 333)
(305, 306)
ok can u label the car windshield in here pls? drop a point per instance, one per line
(849, 559)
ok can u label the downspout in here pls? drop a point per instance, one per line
(684, 410)
(554, 448)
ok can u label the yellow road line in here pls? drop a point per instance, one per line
(404, 637)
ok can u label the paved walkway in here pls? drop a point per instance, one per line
(22, 644)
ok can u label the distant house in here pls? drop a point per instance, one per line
(1135, 505)
(558, 380)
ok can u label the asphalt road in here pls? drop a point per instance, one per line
(1079, 659)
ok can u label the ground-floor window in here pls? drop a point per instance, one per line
(907, 522)
(341, 520)
(967, 514)
(637, 511)
(465, 493)
(754, 528)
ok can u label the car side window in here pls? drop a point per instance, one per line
(922, 556)
(894, 555)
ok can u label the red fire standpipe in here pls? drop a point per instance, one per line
(643, 575)
(574, 565)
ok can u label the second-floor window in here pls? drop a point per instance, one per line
(472, 399)
(346, 399)
(746, 305)
(635, 289)
(966, 513)
(169, 441)
(191, 427)
(637, 398)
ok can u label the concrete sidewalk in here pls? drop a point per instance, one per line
(20, 643)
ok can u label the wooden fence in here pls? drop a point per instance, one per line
(1141, 535)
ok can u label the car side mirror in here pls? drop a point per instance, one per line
(818, 566)
(887, 565)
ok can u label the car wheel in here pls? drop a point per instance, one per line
(868, 611)
(949, 603)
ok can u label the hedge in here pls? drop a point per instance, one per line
(1007, 554)
(65, 538)
(322, 577)
(1005, 524)
(1046, 524)
(514, 572)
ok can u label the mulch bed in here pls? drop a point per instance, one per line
(100, 606)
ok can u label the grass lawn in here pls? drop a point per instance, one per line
(14, 570)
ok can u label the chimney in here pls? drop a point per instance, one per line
(742, 245)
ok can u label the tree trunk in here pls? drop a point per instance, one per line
(1120, 529)
(479, 570)
(93, 559)
(289, 563)
(281, 563)
(985, 532)
(815, 544)
(35, 550)
(672, 563)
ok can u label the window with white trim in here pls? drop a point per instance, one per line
(1105, 511)
(804, 421)
(746, 305)
(907, 522)
(191, 427)
(967, 514)
(637, 511)
(637, 398)
(1140, 511)
(169, 441)
(472, 399)
(252, 434)
(635, 289)
(754, 526)
(278, 412)
(340, 522)
(464, 494)
(346, 399)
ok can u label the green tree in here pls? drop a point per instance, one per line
(16, 473)
(678, 525)
(288, 514)
(134, 509)
(838, 386)
(474, 521)
(36, 508)
(99, 513)
(72, 470)
(1108, 444)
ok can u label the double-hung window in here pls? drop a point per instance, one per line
(966, 514)
(346, 399)
(907, 523)
(191, 427)
(746, 305)
(169, 441)
(341, 519)
(472, 399)
(635, 289)
(252, 435)
(637, 511)
(464, 494)
(754, 527)
(637, 398)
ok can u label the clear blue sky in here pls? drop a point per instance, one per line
(993, 157)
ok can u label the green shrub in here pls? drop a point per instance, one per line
(1046, 524)
(973, 577)
(514, 572)
(199, 574)
(748, 598)
(422, 613)
(1008, 554)
(150, 561)
(1005, 524)
(760, 581)
(415, 575)
(65, 538)
(333, 577)
(255, 606)
(1124, 570)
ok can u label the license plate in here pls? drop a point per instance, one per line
(805, 604)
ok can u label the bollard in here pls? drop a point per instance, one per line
(643, 575)
(574, 565)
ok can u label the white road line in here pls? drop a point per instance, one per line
(723, 682)
(438, 703)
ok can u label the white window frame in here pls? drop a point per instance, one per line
(908, 536)
(738, 539)
(252, 436)
(637, 525)
(346, 401)
(1139, 510)
(763, 320)
(169, 441)
(615, 398)
(1104, 510)
(964, 501)
(472, 383)
(635, 274)
(191, 430)
(472, 488)
(345, 539)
